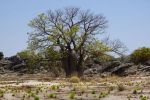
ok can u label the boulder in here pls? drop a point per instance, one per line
(5, 64)
(95, 69)
(144, 68)
(13, 63)
(147, 63)
(17, 64)
(19, 67)
(15, 60)
(23, 70)
(2, 70)
(110, 66)
(121, 69)
(90, 71)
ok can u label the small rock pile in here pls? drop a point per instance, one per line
(12, 64)
(117, 68)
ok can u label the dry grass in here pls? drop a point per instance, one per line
(95, 89)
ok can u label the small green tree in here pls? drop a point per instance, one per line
(31, 59)
(140, 55)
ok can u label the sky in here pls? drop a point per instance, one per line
(128, 20)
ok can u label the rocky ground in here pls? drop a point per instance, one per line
(44, 87)
(114, 80)
(93, 67)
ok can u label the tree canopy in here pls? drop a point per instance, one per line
(72, 32)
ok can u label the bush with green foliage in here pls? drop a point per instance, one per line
(103, 95)
(121, 87)
(144, 97)
(72, 95)
(36, 98)
(52, 54)
(1, 55)
(140, 56)
(1, 93)
(31, 59)
(104, 58)
(74, 79)
(52, 95)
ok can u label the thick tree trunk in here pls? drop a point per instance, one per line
(68, 62)
(71, 64)
(65, 66)
(79, 65)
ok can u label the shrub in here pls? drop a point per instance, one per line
(135, 91)
(140, 55)
(72, 95)
(106, 58)
(93, 92)
(1, 94)
(31, 58)
(144, 97)
(54, 87)
(32, 94)
(36, 98)
(103, 95)
(52, 95)
(74, 79)
(121, 87)
(111, 88)
(1, 55)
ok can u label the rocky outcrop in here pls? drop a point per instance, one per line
(109, 66)
(93, 67)
(13, 63)
(118, 68)
(123, 69)
(148, 63)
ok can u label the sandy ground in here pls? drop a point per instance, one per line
(44, 87)
(26, 83)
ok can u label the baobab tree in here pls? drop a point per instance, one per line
(69, 30)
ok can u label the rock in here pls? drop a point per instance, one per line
(148, 63)
(44, 71)
(121, 69)
(15, 60)
(105, 74)
(4, 62)
(23, 71)
(1, 55)
(90, 71)
(131, 70)
(96, 61)
(2, 69)
(41, 68)
(19, 66)
(110, 65)
(95, 69)
(144, 68)
(5, 65)
(89, 63)
(13, 63)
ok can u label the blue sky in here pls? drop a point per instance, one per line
(129, 20)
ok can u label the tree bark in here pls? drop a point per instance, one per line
(79, 65)
(68, 62)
